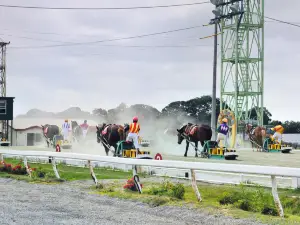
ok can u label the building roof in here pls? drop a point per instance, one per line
(29, 123)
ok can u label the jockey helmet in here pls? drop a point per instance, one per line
(135, 119)
(85, 121)
(224, 120)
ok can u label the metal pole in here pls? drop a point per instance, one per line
(214, 88)
(11, 132)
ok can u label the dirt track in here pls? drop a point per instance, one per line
(70, 203)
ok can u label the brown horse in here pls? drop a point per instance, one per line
(256, 136)
(194, 133)
(109, 135)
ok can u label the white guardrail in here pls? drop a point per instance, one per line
(273, 172)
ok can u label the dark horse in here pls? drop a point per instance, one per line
(76, 131)
(49, 132)
(256, 136)
(194, 133)
(110, 135)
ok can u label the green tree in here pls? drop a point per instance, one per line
(266, 115)
(196, 110)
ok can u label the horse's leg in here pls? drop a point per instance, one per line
(196, 149)
(106, 150)
(186, 149)
(115, 147)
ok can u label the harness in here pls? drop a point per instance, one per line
(190, 130)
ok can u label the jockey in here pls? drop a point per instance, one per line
(84, 128)
(66, 129)
(134, 129)
(223, 131)
(277, 136)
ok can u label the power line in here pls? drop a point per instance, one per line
(281, 21)
(145, 46)
(108, 40)
(102, 8)
(36, 39)
(270, 21)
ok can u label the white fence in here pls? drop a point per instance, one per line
(273, 172)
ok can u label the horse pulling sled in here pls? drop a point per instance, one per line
(270, 146)
(126, 149)
(211, 150)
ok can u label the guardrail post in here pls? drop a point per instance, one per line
(194, 186)
(26, 166)
(55, 168)
(276, 197)
(92, 172)
(296, 182)
(136, 179)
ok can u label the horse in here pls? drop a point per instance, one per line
(256, 136)
(110, 135)
(49, 132)
(194, 133)
(76, 131)
(126, 129)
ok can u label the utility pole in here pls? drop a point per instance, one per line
(214, 88)
(223, 11)
(3, 79)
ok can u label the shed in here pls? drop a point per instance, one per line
(28, 131)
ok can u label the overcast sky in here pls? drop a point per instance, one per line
(91, 76)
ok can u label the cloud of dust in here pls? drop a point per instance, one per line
(156, 127)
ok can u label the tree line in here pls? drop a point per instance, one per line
(196, 110)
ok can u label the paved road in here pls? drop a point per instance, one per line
(70, 203)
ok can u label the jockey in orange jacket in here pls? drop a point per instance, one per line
(277, 136)
(134, 129)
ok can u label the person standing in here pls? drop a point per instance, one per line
(223, 130)
(134, 129)
(66, 128)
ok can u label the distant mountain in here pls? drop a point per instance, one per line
(36, 113)
(73, 112)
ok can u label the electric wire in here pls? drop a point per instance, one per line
(103, 8)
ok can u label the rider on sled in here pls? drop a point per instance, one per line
(277, 136)
(223, 130)
(134, 129)
(84, 128)
(66, 128)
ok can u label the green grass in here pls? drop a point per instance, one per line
(156, 194)
(68, 173)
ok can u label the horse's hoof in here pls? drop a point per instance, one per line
(196, 155)
(185, 155)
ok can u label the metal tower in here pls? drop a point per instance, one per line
(3, 78)
(242, 60)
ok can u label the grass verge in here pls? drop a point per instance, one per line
(67, 173)
(237, 201)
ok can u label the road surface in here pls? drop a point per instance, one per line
(70, 203)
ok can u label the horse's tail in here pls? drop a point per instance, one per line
(121, 132)
(263, 133)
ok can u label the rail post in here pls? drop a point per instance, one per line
(136, 179)
(296, 182)
(276, 197)
(92, 172)
(55, 168)
(26, 166)
(194, 186)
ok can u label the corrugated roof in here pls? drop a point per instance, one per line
(24, 123)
